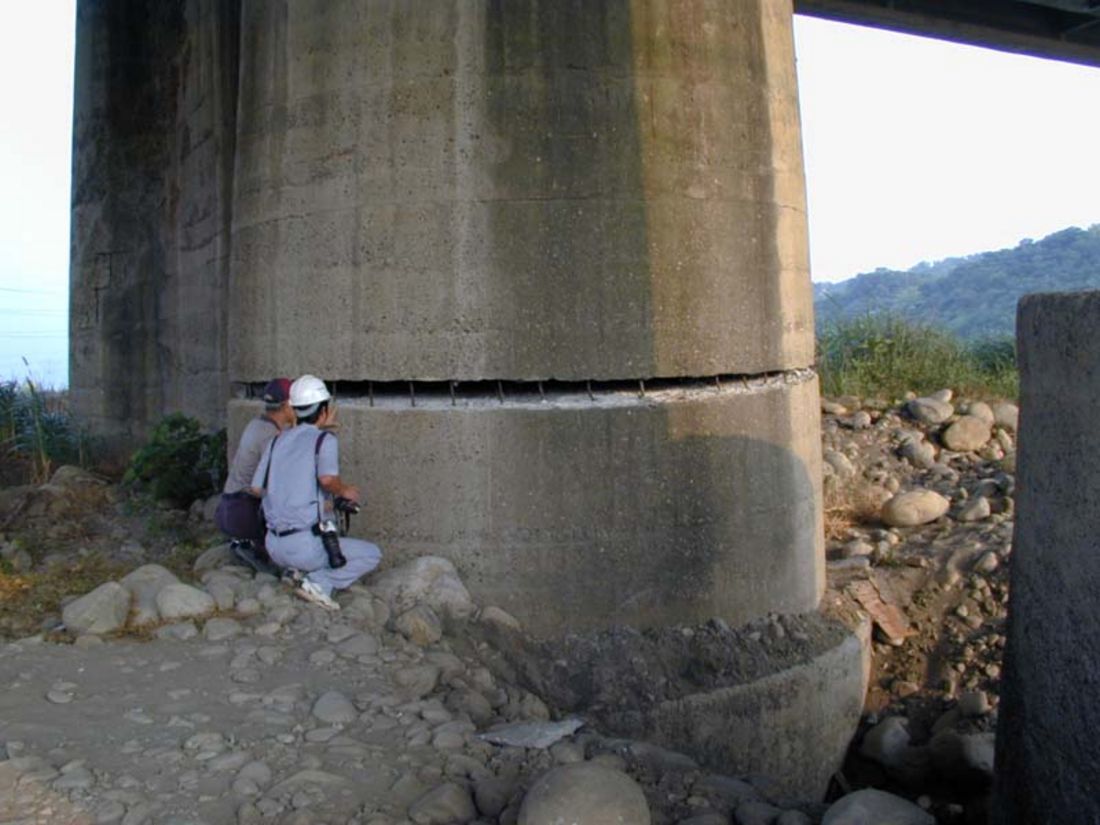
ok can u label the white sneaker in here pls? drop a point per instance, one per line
(313, 593)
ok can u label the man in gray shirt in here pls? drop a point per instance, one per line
(238, 514)
(299, 477)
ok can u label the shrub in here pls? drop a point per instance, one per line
(887, 356)
(181, 462)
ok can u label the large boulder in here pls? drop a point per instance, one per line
(182, 601)
(584, 792)
(103, 610)
(913, 508)
(426, 580)
(873, 807)
(144, 584)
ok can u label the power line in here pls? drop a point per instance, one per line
(31, 291)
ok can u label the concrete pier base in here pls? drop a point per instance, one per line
(793, 725)
(1048, 753)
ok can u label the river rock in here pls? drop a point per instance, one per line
(144, 584)
(979, 409)
(967, 434)
(963, 756)
(497, 616)
(429, 580)
(586, 793)
(976, 509)
(335, 708)
(1006, 415)
(443, 805)
(182, 601)
(420, 625)
(918, 452)
(841, 464)
(887, 742)
(929, 410)
(873, 807)
(215, 557)
(913, 508)
(101, 611)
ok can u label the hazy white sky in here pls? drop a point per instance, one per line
(915, 150)
(918, 149)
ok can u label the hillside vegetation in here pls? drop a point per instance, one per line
(973, 297)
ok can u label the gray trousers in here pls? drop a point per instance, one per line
(304, 551)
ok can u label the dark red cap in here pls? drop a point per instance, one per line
(277, 391)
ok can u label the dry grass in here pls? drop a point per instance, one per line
(848, 504)
(26, 599)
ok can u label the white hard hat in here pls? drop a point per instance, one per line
(307, 391)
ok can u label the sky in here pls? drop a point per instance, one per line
(916, 150)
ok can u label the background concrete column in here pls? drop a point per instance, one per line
(1048, 754)
(153, 147)
(521, 198)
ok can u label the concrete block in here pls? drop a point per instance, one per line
(1048, 753)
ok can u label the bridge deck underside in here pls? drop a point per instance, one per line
(1061, 29)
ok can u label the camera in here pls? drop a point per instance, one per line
(330, 540)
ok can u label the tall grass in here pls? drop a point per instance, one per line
(887, 356)
(37, 431)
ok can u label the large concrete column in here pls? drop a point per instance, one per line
(524, 197)
(1048, 755)
(153, 148)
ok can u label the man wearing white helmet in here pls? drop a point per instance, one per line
(299, 477)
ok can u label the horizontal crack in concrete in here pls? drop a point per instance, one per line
(512, 392)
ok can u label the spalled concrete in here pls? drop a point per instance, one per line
(576, 513)
(1048, 754)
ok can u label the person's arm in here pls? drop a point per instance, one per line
(335, 486)
(258, 477)
(328, 471)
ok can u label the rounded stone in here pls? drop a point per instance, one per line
(335, 708)
(979, 409)
(101, 611)
(445, 804)
(967, 434)
(1006, 415)
(144, 584)
(976, 509)
(874, 807)
(929, 410)
(182, 601)
(914, 508)
(586, 793)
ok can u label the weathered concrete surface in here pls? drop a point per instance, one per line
(793, 726)
(1048, 753)
(153, 149)
(575, 514)
(521, 190)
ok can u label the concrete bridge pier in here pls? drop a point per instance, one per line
(552, 255)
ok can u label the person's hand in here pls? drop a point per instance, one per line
(352, 492)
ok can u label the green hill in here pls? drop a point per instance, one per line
(973, 297)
